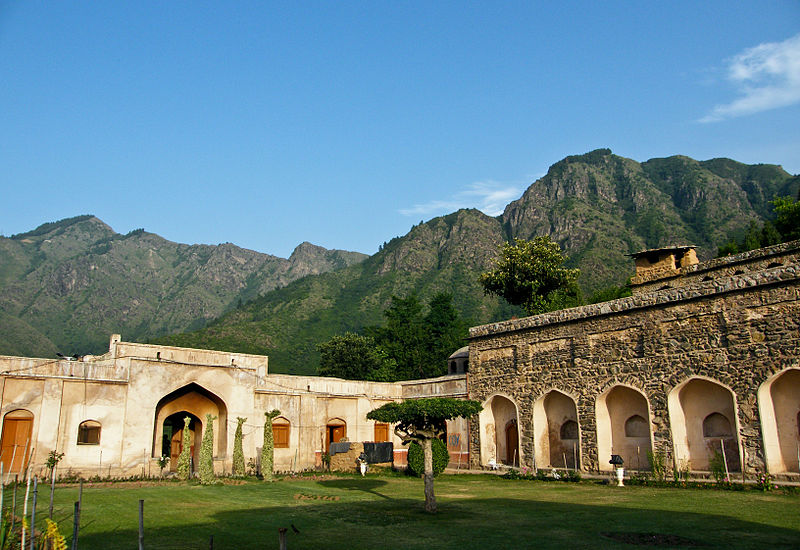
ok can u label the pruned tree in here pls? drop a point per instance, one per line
(238, 453)
(423, 420)
(206, 468)
(185, 459)
(531, 274)
(268, 450)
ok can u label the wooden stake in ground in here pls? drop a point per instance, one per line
(725, 460)
(14, 503)
(25, 509)
(141, 524)
(33, 511)
(52, 490)
(76, 523)
(282, 538)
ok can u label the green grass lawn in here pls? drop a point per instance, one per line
(481, 512)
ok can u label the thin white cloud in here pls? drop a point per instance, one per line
(489, 197)
(767, 76)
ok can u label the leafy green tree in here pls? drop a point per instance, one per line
(356, 357)
(403, 336)
(531, 274)
(268, 450)
(419, 344)
(445, 332)
(787, 218)
(238, 454)
(611, 293)
(185, 459)
(423, 420)
(207, 476)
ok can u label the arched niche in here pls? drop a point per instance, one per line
(499, 429)
(779, 408)
(556, 431)
(16, 440)
(621, 413)
(196, 401)
(703, 418)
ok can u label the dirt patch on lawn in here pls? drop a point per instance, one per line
(652, 539)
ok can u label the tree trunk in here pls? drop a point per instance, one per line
(427, 477)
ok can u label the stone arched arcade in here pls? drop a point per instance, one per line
(702, 360)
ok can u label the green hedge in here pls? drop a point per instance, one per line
(416, 459)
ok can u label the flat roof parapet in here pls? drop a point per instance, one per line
(701, 289)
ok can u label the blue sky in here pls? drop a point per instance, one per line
(344, 123)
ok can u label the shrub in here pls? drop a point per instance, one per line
(238, 454)
(416, 459)
(207, 476)
(717, 467)
(268, 450)
(185, 459)
(658, 462)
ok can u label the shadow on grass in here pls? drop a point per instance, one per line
(367, 485)
(462, 524)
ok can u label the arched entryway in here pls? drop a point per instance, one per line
(499, 432)
(623, 428)
(335, 431)
(556, 429)
(173, 435)
(194, 401)
(703, 418)
(16, 440)
(779, 406)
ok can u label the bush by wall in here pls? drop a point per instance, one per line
(268, 450)
(207, 476)
(416, 458)
(185, 459)
(238, 454)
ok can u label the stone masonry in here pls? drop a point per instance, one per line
(726, 327)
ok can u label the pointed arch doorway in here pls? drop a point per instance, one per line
(195, 402)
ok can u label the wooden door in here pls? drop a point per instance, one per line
(176, 447)
(512, 443)
(381, 432)
(16, 443)
(335, 434)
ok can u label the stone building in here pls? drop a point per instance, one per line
(702, 359)
(116, 414)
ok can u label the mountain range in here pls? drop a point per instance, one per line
(71, 283)
(67, 285)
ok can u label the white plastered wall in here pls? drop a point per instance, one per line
(612, 409)
(498, 411)
(549, 413)
(689, 403)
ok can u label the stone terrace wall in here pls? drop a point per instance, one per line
(737, 330)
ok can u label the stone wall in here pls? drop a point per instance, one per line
(733, 330)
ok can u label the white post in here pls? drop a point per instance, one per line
(25, 507)
(575, 455)
(725, 460)
(11, 466)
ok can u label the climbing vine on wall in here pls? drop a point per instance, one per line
(268, 450)
(185, 459)
(238, 454)
(207, 453)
